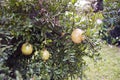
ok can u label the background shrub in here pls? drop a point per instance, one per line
(45, 25)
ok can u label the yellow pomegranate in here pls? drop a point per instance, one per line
(77, 35)
(45, 54)
(27, 49)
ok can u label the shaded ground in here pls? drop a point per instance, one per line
(108, 68)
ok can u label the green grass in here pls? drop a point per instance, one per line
(107, 68)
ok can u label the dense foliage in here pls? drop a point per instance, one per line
(46, 25)
(110, 31)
